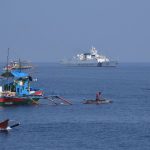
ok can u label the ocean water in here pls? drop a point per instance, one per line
(121, 125)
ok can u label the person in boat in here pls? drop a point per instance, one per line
(98, 94)
(4, 125)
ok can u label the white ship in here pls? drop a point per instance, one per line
(90, 59)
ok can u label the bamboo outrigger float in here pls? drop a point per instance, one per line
(57, 100)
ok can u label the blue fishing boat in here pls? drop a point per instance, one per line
(17, 89)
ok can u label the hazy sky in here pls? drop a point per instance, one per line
(50, 30)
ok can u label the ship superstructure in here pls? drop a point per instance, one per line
(91, 59)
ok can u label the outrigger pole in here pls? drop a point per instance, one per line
(65, 100)
(50, 100)
(57, 98)
(15, 125)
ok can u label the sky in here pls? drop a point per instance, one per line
(51, 30)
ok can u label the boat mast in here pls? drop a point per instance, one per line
(7, 67)
(19, 65)
(7, 59)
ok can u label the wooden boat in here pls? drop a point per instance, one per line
(98, 100)
(4, 125)
(104, 101)
(10, 100)
(18, 65)
(17, 89)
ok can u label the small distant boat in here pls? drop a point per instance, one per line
(4, 125)
(103, 101)
(18, 65)
(98, 100)
(90, 59)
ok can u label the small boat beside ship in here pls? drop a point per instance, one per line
(90, 59)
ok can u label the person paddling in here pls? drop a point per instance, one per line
(98, 96)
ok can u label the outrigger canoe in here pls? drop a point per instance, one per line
(17, 89)
(104, 101)
(98, 100)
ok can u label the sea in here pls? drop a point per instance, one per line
(123, 124)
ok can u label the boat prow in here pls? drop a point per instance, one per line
(4, 125)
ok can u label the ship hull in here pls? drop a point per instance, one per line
(107, 64)
(6, 101)
(91, 58)
(91, 64)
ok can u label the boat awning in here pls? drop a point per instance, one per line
(19, 74)
(15, 74)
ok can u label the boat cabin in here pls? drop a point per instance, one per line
(19, 85)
